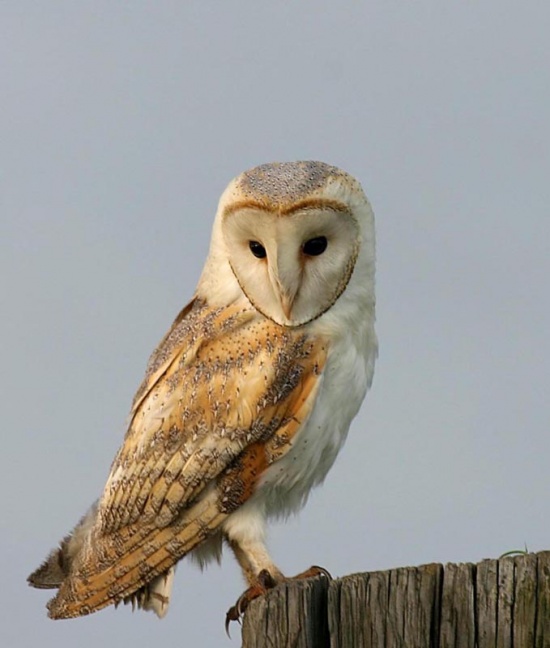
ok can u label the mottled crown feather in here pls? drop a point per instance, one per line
(285, 181)
(281, 185)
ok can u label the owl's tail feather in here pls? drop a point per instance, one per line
(53, 571)
(135, 564)
(57, 566)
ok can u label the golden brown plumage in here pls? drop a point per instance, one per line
(224, 395)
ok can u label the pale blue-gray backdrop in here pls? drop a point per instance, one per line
(120, 125)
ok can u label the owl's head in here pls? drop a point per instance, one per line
(293, 236)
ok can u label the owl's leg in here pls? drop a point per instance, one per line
(259, 571)
(253, 560)
(244, 531)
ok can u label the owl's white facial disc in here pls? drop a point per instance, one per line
(295, 238)
(293, 266)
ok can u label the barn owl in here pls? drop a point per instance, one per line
(245, 402)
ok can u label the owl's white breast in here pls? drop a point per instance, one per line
(347, 376)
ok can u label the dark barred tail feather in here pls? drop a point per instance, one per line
(57, 566)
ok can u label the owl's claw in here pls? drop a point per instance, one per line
(265, 582)
(313, 572)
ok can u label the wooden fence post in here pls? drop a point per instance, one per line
(501, 603)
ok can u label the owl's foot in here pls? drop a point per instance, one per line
(264, 583)
(312, 572)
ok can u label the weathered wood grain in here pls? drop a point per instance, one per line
(293, 615)
(505, 604)
(486, 603)
(542, 633)
(457, 628)
(525, 601)
(495, 604)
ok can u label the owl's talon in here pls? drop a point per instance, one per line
(232, 615)
(264, 583)
(241, 605)
(313, 572)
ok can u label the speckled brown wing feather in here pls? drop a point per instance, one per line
(223, 396)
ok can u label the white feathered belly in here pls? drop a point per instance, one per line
(286, 484)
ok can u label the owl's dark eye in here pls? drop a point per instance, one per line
(257, 249)
(315, 246)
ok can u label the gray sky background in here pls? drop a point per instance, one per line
(120, 125)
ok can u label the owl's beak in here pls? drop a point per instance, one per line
(286, 296)
(286, 304)
(285, 275)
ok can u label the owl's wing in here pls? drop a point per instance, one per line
(224, 395)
